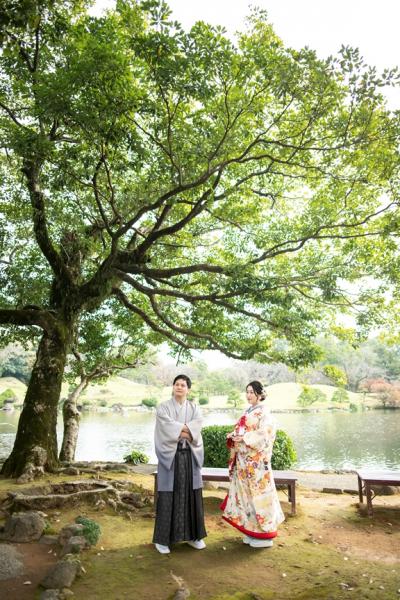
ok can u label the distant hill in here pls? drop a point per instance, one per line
(123, 391)
(283, 396)
(280, 396)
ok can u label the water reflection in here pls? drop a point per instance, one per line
(322, 440)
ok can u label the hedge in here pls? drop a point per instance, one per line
(216, 454)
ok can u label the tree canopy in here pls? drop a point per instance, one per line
(215, 192)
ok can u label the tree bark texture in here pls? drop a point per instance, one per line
(35, 446)
(71, 417)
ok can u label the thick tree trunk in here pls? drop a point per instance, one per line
(71, 418)
(35, 447)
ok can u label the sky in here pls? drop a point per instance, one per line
(323, 25)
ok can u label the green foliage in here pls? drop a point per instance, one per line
(49, 528)
(216, 453)
(136, 457)
(150, 402)
(340, 395)
(310, 395)
(335, 374)
(283, 454)
(91, 530)
(7, 396)
(235, 398)
(16, 361)
(203, 399)
(353, 407)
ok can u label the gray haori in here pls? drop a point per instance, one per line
(170, 417)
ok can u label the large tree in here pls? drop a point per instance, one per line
(215, 191)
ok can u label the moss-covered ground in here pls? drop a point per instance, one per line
(330, 550)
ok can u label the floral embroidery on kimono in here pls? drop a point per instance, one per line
(252, 504)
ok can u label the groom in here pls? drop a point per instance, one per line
(180, 453)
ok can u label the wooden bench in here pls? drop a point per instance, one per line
(366, 479)
(286, 478)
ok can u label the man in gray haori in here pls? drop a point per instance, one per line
(180, 453)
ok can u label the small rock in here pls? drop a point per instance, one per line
(27, 582)
(61, 574)
(71, 471)
(11, 564)
(23, 527)
(74, 545)
(50, 595)
(72, 530)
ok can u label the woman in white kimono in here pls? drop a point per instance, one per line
(180, 453)
(252, 504)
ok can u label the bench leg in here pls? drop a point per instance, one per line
(360, 493)
(292, 496)
(369, 499)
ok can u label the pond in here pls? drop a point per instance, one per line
(338, 440)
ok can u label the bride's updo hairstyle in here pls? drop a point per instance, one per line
(258, 389)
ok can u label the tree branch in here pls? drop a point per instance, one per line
(40, 224)
(24, 317)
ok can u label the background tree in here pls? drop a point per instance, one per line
(356, 362)
(235, 398)
(15, 361)
(215, 191)
(310, 395)
(99, 352)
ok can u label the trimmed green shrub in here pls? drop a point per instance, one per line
(283, 454)
(203, 399)
(310, 395)
(149, 402)
(91, 530)
(340, 395)
(136, 457)
(216, 453)
(7, 396)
